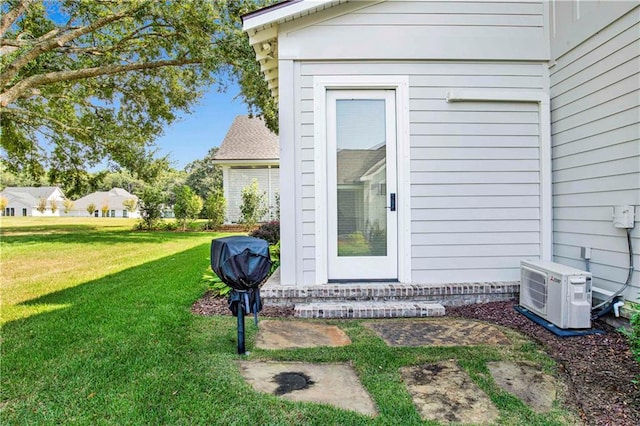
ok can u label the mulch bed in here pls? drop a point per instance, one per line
(597, 369)
(209, 304)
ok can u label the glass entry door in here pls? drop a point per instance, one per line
(362, 191)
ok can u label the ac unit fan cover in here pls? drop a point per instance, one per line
(536, 289)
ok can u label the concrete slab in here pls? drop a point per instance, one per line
(296, 334)
(527, 382)
(438, 332)
(333, 384)
(444, 392)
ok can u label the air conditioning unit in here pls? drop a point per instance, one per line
(557, 293)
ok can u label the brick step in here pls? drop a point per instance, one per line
(445, 294)
(392, 309)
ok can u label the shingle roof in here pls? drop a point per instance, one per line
(36, 192)
(353, 164)
(112, 198)
(249, 139)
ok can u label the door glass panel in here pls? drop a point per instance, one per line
(361, 177)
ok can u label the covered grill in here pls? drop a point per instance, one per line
(242, 263)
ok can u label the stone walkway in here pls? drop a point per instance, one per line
(441, 391)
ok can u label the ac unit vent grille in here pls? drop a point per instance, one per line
(535, 289)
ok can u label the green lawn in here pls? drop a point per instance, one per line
(97, 330)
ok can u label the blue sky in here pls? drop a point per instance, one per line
(193, 135)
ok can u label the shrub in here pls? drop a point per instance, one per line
(274, 254)
(150, 207)
(91, 208)
(169, 225)
(214, 209)
(187, 207)
(68, 205)
(42, 205)
(215, 284)
(269, 231)
(196, 226)
(253, 206)
(633, 334)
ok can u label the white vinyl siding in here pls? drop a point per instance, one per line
(475, 171)
(241, 177)
(418, 30)
(595, 100)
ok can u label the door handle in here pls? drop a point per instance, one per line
(392, 202)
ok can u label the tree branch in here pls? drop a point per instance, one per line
(19, 89)
(9, 18)
(28, 113)
(49, 43)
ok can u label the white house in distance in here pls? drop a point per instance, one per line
(109, 201)
(25, 200)
(249, 151)
(506, 131)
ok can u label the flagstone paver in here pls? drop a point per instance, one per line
(438, 332)
(527, 382)
(334, 384)
(297, 334)
(444, 392)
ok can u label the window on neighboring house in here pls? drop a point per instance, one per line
(13, 212)
(113, 213)
(24, 212)
(125, 213)
(96, 213)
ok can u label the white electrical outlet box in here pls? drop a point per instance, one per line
(623, 216)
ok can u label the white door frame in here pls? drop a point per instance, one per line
(362, 267)
(321, 84)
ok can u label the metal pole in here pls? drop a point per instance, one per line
(241, 350)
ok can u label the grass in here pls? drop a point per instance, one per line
(97, 330)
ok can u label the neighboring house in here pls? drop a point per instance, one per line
(249, 151)
(443, 109)
(107, 204)
(26, 200)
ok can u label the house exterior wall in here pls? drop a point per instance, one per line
(18, 203)
(453, 30)
(595, 99)
(475, 173)
(236, 178)
(474, 168)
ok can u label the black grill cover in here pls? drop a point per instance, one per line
(241, 262)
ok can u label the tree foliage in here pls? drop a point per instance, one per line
(84, 82)
(203, 176)
(253, 207)
(214, 209)
(150, 203)
(130, 204)
(187, 207)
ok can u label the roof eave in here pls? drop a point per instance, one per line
(248, 161)
(262, 28)
(274, 14)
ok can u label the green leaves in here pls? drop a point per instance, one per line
(83, 83)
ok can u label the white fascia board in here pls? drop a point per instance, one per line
(267, 162)
(282, 13)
